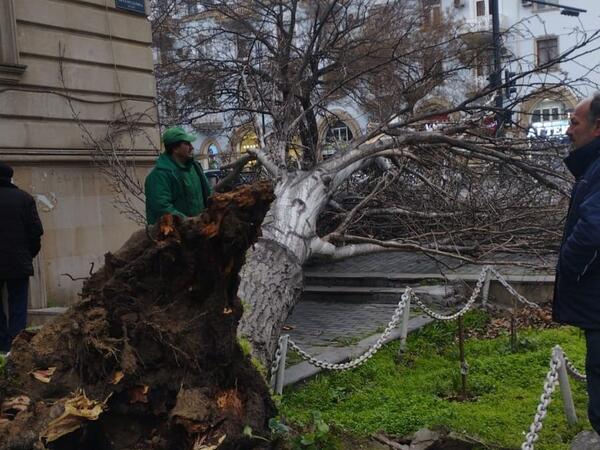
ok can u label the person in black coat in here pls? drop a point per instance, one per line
(577, 285)
(20, 233)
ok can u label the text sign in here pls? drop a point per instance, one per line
(138, 6)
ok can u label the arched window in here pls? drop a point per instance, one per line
(338, 135)
(214, 161)
(249, 142)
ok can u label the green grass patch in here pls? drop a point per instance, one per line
(399, 398)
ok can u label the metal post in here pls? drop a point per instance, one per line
(463, 361)
(280, 377)
(404, 326)
(565, 387)
(497, 75)
(514, 342)
(485, 293)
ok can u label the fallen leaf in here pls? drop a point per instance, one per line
(116, 377)
(209, 447)
(138, 394)
(78, 410)
(43, 375)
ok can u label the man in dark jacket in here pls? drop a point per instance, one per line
(20, 232)
(577, 287)
(177, 184)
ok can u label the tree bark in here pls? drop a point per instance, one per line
(272, 279)
(271, 284)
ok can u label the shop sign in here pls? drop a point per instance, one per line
(137, 6)
(555, 128)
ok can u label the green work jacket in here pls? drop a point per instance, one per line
(173, 188)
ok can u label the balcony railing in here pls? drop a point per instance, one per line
(482, 24)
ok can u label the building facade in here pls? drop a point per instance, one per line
(70, 72)
(533, 34)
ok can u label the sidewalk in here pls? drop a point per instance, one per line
(335, 330)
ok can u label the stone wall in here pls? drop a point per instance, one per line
(88, 60)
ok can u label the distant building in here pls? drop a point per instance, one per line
(535, 34)
(98, 55)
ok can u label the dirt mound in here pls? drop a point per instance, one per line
(149, 358)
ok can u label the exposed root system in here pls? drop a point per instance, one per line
(149, 358)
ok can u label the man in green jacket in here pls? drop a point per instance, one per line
(177, 184)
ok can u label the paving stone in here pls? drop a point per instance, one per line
(586, 440)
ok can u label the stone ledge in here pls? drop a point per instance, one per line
(11, 73)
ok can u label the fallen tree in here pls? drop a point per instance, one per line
(149, 359)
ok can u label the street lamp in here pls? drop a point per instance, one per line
(496, 79)
(565, 10)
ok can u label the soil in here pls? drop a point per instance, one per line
(149, 358)
(524, 317)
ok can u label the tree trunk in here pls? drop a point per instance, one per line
(271, 284)
(272, 278)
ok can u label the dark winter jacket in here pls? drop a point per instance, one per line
(20, 232)
(577, 286)
(173, 188)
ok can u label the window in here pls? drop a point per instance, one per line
(483, 63)
(10, 69)
(480, 6)
(549, 119)
(337, 136)
(432, 12)
(249, 142)
(213, 157)
(547, 50)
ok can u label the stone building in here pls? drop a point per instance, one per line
(68, 69)
(532, 35)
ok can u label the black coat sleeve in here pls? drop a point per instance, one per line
(34, 228)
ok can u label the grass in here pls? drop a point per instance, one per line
(400, 398)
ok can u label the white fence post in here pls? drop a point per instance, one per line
(280, 377)
(404, 326)
(565, 387)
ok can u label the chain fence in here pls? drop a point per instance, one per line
(550, 383)
(559, 360)
(407, 298)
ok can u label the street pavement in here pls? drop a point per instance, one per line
(324, 324)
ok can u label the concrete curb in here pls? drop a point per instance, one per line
(421, 276)
(304, 370)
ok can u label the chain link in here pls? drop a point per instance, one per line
(542, 409)
(396, 317)
(510, 289)
(463, 310)
(408, 295)
(573, 371)
(276, 360)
